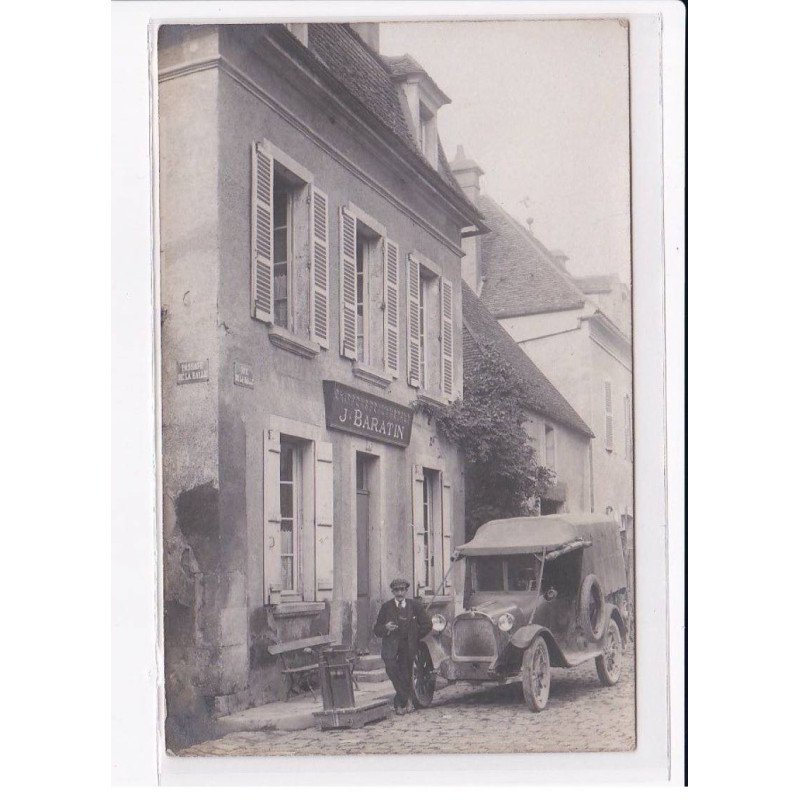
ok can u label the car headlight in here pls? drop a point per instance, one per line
(439, 623)
(505, 623)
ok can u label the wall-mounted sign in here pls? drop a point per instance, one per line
(192, 371)
(243, 375)
(354, 411)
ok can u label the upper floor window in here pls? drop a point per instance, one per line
(288, 212)
(369, 292)
(549, 446)
(609, 415)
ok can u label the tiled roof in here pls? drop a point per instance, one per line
(367, 78)
(521, 276)
(481, 328)
(596, 284)
(402, 66)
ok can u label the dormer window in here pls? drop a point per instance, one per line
(428, 137)
(422, 99)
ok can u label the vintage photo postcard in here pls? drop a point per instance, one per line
(396, 402)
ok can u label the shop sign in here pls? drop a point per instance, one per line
(192, 371)
(354, 411)
(243, 374)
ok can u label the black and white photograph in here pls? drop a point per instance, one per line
(396, 387)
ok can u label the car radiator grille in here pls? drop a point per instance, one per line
(473, 638)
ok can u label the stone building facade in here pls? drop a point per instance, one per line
(310, 292)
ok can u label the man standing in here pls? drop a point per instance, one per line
(401, 623)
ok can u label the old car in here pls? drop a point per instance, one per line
(539, 592)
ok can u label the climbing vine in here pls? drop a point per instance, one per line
(502, 477)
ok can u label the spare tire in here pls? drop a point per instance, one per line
(591, 605)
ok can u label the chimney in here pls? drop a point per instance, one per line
(561, 258)
(370, 33)
(467, 173)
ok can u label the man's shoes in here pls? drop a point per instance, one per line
(410, 707)
(399, 710)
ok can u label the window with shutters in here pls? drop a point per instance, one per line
(431, 530)
(431, 330)
(369, 265)
(298, 513)
(290, 259)
(609, 416)
(628, 428)
(550, 446)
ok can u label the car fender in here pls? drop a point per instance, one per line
(612, 612)
(525, 635)
(434, 644)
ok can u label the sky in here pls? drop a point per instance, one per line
(542, 107)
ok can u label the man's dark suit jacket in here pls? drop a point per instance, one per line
(419, 626)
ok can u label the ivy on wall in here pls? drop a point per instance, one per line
(503, 478)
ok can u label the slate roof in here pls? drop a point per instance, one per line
(481, 328)
(367, 78)
(521, 275)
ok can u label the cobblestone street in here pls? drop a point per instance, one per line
(582, 715)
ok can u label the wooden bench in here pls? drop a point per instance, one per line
(299, 675)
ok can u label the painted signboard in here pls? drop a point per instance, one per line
(354, 411)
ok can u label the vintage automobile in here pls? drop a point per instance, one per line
(539, 592)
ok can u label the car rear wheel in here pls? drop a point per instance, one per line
(423, 679)
(609, 663)
(536, 675)
(590, 608)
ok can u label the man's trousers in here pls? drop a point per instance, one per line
(399, 671)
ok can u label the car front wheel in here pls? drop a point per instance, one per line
(609, 662)
(536, 675)
(423, 679)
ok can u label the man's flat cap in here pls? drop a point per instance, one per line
(399, 583)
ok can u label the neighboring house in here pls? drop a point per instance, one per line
(577, 331)
(560, 438)
(310, 292)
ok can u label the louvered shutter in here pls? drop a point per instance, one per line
(446, 295)
(261, 278)
(418, 530)
(347, 270)
(413, 286)
(319, 267)
(628, 428)
(609, 416)
(447, 534)
(391, 302)
(272, 518)
(323, 522)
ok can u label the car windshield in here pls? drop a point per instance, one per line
(504, 573)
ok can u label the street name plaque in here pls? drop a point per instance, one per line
(192, 371)
(354, 411)
(243, 374)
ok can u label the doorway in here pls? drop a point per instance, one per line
(365, 477)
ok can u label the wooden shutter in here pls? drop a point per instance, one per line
(413, 286)
(319, 267)
(446, 295)
(447, 534)
(323, 522)
(391, 302)
(609, 416)
(347, 271)
(418, 532)
(628, 428)
(272, 518)
(261, 278)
